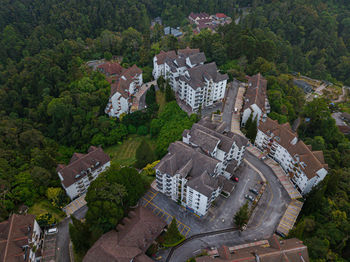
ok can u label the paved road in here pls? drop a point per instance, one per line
(62, 254)
(263, 224)
(230, 102)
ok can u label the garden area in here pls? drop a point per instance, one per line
(124, 153)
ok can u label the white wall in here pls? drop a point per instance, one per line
(73, 191)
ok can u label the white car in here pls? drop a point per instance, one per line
(52, 231)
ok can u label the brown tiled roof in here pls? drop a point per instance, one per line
(344, 129)
(312, 162)
(122, 84)
(285, 250)
(187, 52)
(284, 135)
(131, 240)
(199, 15)
(111, 68)
(200, 72)
(256, 92)
(204, 184)
(220, 15)
(14, 233)
(179, 154)
(81, 162)
(162, 56)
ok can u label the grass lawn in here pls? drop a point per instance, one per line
(124, 153)
(160, 97)
(44, 206)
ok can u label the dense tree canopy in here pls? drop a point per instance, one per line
(52, 104)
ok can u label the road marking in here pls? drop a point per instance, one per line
(290, 214)
(281, 225)
(169, 215)
(149, 201)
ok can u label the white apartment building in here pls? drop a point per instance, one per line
(82, 170)
(21, 239)
(123, 87)
(255, 99)
(195, 83)
(195, 171)
(305, 168)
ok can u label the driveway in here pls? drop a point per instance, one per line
(230, 102)
(262, 225)
(62, 244)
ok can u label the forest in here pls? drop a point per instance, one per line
(52, 104)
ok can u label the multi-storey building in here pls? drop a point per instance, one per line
(195, 171)
(255, 99)
(123, 87)
(197, 84)
(205, 21)
(82, 170)
(21, 239)
(305, 168)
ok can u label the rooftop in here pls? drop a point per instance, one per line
(130, 240)
(284, 136)
(273, 250)
(201, 73)
(256, 92)
(14, 234)
(79, 164)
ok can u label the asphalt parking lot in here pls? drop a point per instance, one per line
(220, 216)
(148, 202)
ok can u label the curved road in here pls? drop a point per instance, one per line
(265, 219)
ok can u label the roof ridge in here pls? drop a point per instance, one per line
(85, 155)
(8, 237)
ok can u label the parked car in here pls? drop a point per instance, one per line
(254, 191)
(249, 197)
(52, 231)
(234, 178)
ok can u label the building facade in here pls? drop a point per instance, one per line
(82, 170)
(123, 88)
(21, 239)
(195, 171)
(197, 84)
(255, 99)
(304, 167)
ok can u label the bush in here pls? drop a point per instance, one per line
(142, 130)
(131, 129)
(173, 236)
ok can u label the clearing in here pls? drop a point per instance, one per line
(124, 153)
(44, 206)
(160, 97)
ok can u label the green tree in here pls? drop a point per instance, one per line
(242, 216)
(169, 93)
(252, 130)
(173, 234)
(105, 201)
(144, 155)
(161, 83)
(81, 235)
